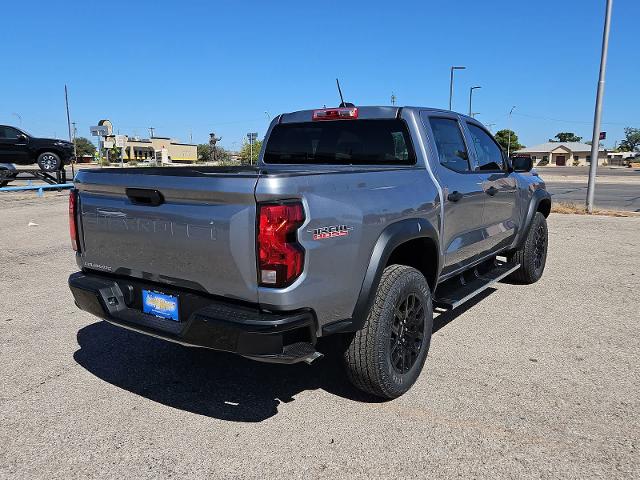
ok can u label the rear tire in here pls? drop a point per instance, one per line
(532, 255)
(386, 356)
(49, 162)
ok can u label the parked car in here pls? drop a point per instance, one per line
(356, 223)
(20, 148)
(8, 172)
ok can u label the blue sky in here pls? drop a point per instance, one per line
(190, 67)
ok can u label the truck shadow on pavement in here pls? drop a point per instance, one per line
(205, 382)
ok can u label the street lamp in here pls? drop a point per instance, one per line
(451, 84)
(470, 96)
(509, 142)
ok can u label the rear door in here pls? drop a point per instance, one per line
(500, 214)
(462, 191)
(201, 235)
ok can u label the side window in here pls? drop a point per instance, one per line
(8, 132)
(452, 151)
(487, 150)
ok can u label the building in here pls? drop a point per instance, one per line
(141, 149)
(562, 154)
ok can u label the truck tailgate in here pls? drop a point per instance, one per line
(200, 236)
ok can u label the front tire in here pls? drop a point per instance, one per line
(49, 162)
(532, 255)
(386, 356)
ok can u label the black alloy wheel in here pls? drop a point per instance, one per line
(407, 332)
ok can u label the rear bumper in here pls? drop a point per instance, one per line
(205, 322)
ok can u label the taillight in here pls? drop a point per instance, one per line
(73, 218)
(347, 113)
(280, 256)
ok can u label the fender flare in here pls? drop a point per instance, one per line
(537, 197)
(392, 236)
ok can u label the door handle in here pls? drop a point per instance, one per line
(491, 191)
(455, 196)
(143, 196)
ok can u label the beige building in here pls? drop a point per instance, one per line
(141, 149)
(562, 154)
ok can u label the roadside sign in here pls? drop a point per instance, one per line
(121, 141)
(108, 144)
(99, 131)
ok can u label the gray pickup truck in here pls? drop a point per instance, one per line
(355, 225)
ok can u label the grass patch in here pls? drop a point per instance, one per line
(575, 209)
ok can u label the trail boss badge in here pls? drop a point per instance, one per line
(322, 233)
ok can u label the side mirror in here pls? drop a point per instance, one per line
(22, 137)
(522, 164)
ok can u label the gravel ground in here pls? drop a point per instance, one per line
(536, 381)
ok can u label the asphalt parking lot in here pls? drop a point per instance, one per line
(536, 381)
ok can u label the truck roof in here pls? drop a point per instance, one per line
(364, 112)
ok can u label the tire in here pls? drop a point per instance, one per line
(532, 255)
(386, 356)
(5, 177)
(49, 162)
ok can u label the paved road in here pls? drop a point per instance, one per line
(608, 196)
(616, 188)
(539, 381)
(583, 172)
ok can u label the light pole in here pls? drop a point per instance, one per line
(509, 128)
(451, 84)
(595, 138)
(470, 97)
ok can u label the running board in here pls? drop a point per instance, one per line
(454, 292)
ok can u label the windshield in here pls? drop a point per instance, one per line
(341, 142)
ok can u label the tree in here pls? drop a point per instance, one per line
(566, 137)
(246, 149)
(632, 141)
(205, 154)
(84, 147)
(502, 137)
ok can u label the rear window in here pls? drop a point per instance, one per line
(341, 142)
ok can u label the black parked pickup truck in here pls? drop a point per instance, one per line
(20, 148)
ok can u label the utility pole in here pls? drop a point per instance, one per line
(470, 97)
(393, 98)
(71, 137)
(595, 138)
(509, 128)
(74, 132)
(151, 130)
(451, 84)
